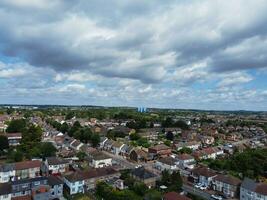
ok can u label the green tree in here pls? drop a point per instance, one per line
(47, 149)
(69, 115)
(153, 194)
(169, 136)
(181, 124)
(3, 143)
(134, 136)
(15, 156)
(64, 128)
(186, 150)
(168, 122)
(81, 155)
(16, 126)
(76, 126)
(95, 140)
(139, 188)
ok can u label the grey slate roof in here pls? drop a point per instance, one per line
(249, 184)
(142, 173)
(7, 167)
(53, 180)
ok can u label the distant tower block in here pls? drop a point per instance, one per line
(142, 109)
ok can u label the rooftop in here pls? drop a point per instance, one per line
(142, 173)
(27, 164)
(174, 196)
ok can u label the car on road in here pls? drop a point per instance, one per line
(217, 197)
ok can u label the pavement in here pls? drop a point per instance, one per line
(192, 190)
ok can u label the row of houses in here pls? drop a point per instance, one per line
(38, 188)
(20, 170)
(229, 186)
(172, 163)
(32, 169)
(81, 181)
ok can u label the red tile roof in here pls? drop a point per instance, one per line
(227, 179)
(27, 197)
(174, 196)
(27, 164)
(261, 189)
(185, 157)
(204, 171)
(160, 147)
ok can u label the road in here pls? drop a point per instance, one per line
(197, 192)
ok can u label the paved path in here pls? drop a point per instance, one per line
(195, 191)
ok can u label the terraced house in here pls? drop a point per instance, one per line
(228, 185)
(251, 190)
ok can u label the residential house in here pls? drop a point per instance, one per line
(7, 172)
(14, 138)
(3, 127)
(27, 169)
(76, 145)
(37, 188)
(174, 196)
(207, 140)
(102, 142)
(125, 150)
(40, 188)
(56, 187)
(5, 191)
(139, 155)
(160, 150)
(194, 145)
(74, 182)
(98, 159)
(166, 163)
(145, 176)
(150, 133)
(203, 175)
(56, 165)
(92, 176)
(228, 185)
(117, 147)
(107, 144)
(186, 161)
(208, 153)
(251, 190)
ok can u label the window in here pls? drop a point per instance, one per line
(73, 189)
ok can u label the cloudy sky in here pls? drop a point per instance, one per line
(208, 54)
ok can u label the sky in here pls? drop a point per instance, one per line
(190, 54)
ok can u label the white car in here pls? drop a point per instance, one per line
(198, 185)
(203, 187)
(217, 197)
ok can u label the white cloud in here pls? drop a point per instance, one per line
(236, 78)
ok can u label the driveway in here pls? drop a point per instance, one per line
(195, 191)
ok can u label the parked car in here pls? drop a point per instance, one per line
(217, 197)
(203, 187)
(198, 185)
